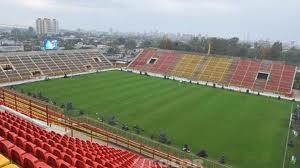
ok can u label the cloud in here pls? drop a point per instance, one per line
(36, 4)
(275, 19)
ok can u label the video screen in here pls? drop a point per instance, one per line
(51, 44)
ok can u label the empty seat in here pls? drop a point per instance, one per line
(17, 155)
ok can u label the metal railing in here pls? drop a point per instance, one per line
(292, 154)
(53, 115)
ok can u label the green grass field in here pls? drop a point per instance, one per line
(249, 130)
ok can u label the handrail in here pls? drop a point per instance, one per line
(40, 110)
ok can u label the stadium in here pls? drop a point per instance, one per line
(74, 108)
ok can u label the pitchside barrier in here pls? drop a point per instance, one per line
(42, 78)
(292, 154)
(53, 115)
(212, 84)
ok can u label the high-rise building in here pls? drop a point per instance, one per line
(46, 26)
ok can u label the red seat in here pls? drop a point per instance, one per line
(43, 138)
(70, 146)
(69, 159)
(57, 153)
(1, 138)
(51, 160)
(7, 125)
(17, 155)
(15, 129)
(30, 138)
(60, 147)
(29, 161)
(3, 132)
(56, 139)
(11, 137)
(47, 147)
(41, 165)
(64, 143)
(89, 162)
(62, 164)
(40, 153)
(88, 155)
(38, 142)
(5, 147)
(30, 147)
(79, 164)
(51, 142)
(22, 133)
(81, 152)
(70, 152)
(36, 134)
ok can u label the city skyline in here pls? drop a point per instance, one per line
(274, 20)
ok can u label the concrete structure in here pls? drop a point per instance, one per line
(11, 48)
(46, 26)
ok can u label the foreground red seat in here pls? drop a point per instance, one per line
(17, 155)
(5, 147)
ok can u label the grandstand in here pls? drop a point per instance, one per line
(28, 65)
(255, 75)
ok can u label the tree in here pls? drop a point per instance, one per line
(130, 44)
(30, 31)
(147, 44)
(276, 50)
(120, 41)
(243, 49)
(113, 50)
(15, 32)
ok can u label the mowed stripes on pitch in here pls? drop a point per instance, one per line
(249, 130)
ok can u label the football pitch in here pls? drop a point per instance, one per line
(249, 130)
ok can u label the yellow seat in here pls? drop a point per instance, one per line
(187, 65)
(215, 69)
(3, 161)
(11, 166)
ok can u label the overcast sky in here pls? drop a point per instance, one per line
(256, 19)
